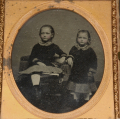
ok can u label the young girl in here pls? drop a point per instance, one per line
(83, 62)
(43, 56)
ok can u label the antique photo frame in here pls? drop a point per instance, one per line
(109, 37)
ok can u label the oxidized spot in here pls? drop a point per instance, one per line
(58, 1)
(7, 62)
(51, 6)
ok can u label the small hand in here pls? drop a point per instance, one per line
(56, 55)
(70, 61)
(41, 64)
(35, 59)
(61, 60)
(90, 76)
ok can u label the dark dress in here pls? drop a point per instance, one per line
(45, 54)
(79, 88)
(83, 62)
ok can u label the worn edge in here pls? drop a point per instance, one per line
(115, 58)
(114, 46)
(2, 6)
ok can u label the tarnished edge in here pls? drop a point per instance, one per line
(115, 57)
(114, 45)
(2, 4)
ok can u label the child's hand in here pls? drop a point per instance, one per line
(90, 76)
(41, 64)
(70, 61)
(35, 59)
(61, 60)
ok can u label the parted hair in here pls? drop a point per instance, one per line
(84, 31)
(49, 26)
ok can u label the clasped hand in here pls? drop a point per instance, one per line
(90, 76)
(39, 63)
(70, 61)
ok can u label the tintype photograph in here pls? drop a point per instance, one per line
(57, 61)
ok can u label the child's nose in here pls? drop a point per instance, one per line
(44, 35)
(82, 39)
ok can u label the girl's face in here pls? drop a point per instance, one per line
(82, 38)
(46, 34)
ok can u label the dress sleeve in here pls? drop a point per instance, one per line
(33, 54)
(71, 53)
(60, 52)
(93, 61)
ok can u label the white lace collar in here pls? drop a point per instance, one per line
(82, 48)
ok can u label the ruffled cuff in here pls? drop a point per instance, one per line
(70, 56)
(64, 55)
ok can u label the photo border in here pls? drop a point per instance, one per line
(7, 62)
(114, 50)
(2, 12)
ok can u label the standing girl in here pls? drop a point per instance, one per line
(83, 61)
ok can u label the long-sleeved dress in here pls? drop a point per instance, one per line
(84, 61)
(46, 55)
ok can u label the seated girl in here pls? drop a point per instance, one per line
(43, 56)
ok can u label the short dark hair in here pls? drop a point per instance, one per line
(84, 31)
(52, 29)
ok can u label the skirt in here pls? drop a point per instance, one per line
(42, 69)
(78, 89)
(82, 87)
